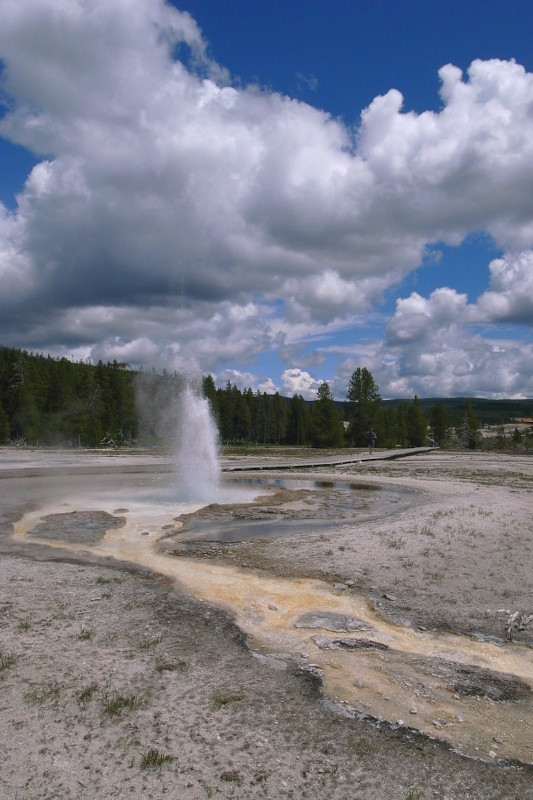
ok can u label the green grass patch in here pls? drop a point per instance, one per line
(85, 695)
(154, 759)
(115, 703)
(104, 581)
(150, 644)
(223, 699)
(396, 544)
(172, 666)
(7, 660)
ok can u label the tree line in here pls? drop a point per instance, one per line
(51, 402)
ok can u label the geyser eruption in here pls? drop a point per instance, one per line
(197, 461)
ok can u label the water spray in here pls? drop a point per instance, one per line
(198, 463)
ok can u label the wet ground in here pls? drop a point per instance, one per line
(285, 507)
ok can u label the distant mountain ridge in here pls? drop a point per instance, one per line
(488, 411)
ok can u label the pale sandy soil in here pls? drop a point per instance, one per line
(78, 631)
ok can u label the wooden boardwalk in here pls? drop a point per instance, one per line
(251, 464)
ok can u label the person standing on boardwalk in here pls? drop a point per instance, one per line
(371, 438)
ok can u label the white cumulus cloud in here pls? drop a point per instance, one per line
(510, 297)
(297, 381)
(214, 223)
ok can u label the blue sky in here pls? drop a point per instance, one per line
(340, 54)
(272, 192)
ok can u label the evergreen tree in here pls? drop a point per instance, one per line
(326, 424)
(225, 406)
(298, 421)
(468, 429)
(241, 420)
(107, 414)
(267, 420)
(439, 423)
(251, 405)
(5, 427)
(401, 425)
(387, 432)
(91, 427)
(417, 426)
(279, 418)
(260, 421)
(363, 407)
(123, 421)
(209, 391)
(26, 419)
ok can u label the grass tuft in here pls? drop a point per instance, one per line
(7, 660)
(150, 644)
(103, 581)
(86, 694)
(115, 703)
(396, 543)
(154, 758)
(171, 666)
(221, 699)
